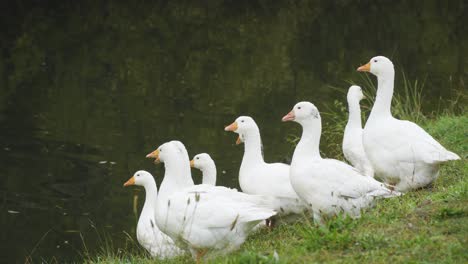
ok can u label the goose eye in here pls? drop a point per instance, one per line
(138, 175)
(198, 158)
(375, 60)
(242, 121)
(299, 107)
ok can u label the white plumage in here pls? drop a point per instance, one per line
(328, 186)
(353, 149)
(148, 234)
(207, 166)
(259, 177)
(203, 218)
(400, 151)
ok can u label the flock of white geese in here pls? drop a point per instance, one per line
(208, 220)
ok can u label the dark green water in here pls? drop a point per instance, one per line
(88, 89)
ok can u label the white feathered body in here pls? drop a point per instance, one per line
(328, 186)
(402, 153)
(261, 178)
(354, 152)
(211, 217)
(331, 187)
(271, 179)
(152, 239)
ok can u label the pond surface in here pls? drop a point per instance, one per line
(88, 89)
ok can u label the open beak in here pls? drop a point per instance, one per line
(289, 117)
(238, 141)
(192, 164)
(364, 68)
(154, 155)
(130, 181)
(232, 127)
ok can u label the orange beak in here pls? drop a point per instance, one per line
(289, 117)
(130, 181)
(155, 155)
(364, 68)
(232, 127)
(238, 141)
(192, 163)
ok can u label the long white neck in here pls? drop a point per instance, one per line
(354, 119)
(176, 177)
(253, 147)
(383, 100)
(308, 146)
(209, 174)
(151, 196)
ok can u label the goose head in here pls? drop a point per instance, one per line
(302, 113)
(355, 93)
(244, 126)
(201, 161)
(140, 178)
(207, 165)
(379, 66)
(168, 151)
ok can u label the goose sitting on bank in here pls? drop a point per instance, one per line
(401, 152)
(204, 219)
(261, 178)
(207, 166)
(353, 149)
(148, 234)
(328, 186)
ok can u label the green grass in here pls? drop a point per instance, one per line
(425, 226)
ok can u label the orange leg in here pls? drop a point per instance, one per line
(200, 255)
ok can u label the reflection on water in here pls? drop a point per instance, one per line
(88, 89)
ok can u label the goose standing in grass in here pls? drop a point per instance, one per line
(148, 234)
(401, 152)
(204, 219)
(258, 177)
(207, 166)
(353, 149)
(328, 186)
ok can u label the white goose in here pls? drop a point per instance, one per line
(207, 166)
(353, 149)
(148, 234)
(203, 218)
(328, 186)
(400, 151)
(261, 178)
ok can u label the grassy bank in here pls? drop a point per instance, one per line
(429, 225)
